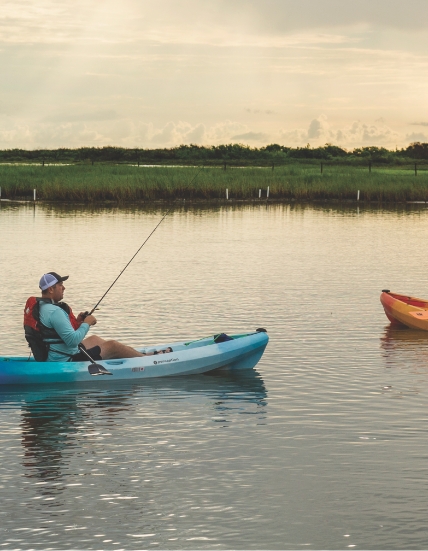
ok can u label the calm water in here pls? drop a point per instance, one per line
(324, 445)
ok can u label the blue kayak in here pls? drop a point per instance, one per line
(187, 358)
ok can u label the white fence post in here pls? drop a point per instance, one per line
(267, 193)
(34, 194)
(227, 194)
(358, 195)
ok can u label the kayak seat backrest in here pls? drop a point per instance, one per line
(36, 344)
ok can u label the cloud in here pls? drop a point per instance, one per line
(221, 132)
(128, 132)
(251, 136)
(318, 128)
(178, 133)
(263, 23)
(173, 134)
(356, 134)
(419, 124)
(95, 115)
(282, 15)
(124, 132)
(263, 111)
(167, 135)
(417, 137)
(46, 21)
(196, 135)
(319, 132)
(293, 138)
(50, 136)
(362, 134)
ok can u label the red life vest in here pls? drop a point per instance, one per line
(32, 321)
(36, 332)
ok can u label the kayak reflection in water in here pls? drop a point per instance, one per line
(62, 333)
(55, 427)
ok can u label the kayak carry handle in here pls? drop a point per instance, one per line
(261, 330)
(386, 291)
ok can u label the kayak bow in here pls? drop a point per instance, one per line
(405, 310)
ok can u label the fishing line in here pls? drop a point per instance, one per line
(153, 231)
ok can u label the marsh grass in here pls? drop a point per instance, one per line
(122, 183)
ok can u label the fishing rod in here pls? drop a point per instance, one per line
(153, 231)
(104, 295)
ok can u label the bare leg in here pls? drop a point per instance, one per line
(93, 340)
(111, 350)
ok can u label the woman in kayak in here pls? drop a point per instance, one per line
(63, 339)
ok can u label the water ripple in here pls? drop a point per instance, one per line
(323, 446)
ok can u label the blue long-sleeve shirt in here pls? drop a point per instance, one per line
(56, 318)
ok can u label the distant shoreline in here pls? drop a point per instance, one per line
(208, 202)
(230, 154)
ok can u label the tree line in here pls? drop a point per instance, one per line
(215, 155)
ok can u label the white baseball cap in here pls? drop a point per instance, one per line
(50, 279)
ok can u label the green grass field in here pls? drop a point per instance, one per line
(123, 183)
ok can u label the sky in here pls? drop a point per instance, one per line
(145, 73)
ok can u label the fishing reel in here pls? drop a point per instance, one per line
(86, 314)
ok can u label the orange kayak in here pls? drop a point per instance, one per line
(405, 310)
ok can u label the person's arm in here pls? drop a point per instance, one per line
(61, 323)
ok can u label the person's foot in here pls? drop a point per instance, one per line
(166, 351)
(156, 352)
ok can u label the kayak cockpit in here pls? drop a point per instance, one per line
(410, 301)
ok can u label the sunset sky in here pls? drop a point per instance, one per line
(145, 73)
